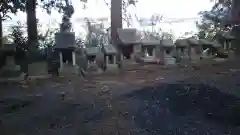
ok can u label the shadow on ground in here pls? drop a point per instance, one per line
(184, 109)
(166, 109)
(49, 115)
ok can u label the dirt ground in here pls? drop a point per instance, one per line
(145, 101)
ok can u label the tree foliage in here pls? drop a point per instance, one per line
(17, 35)
(96, 36)
(46, 37)
(6, 7)
(58, 5)
(11, 6)
(214, 20)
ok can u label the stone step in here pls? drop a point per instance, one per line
(69, 70)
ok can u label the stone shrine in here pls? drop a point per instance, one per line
(208, 48)
(100, 60)
(9, 67)
(167, 49)
(217, 48)
(195, 49)
(235, 32)
(182, 50)
(228, 43)
(66, 44)
(110, 53)
(81, 59)
(150, 46)
(130, 43)
(91, 54)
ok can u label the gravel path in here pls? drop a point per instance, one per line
(201, 103)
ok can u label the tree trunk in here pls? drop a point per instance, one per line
(1, 31)
(31, 23)
(235, 14)
(31, 30)
(116, 22)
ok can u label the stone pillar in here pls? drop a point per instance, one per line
(107, 59)
(225, 45)
(236, 33)
(136, 48)
(185, 52)
(193, 53)
(154, 52)
(74, 58)
(165, 53)
(10, 63)
(61, 61)
(179, 52)
(114, 59)
(89, 63)
(145, 52)
(229, 45)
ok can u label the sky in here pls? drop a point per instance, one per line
(169, 9)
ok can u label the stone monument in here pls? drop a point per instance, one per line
(110, 56)
(130, 42)
(9, 67)
(168, 48)
(195, 49)
(182, 47)
(150, 45)
(65, 40)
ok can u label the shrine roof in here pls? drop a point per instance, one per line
(109, 49)
(227, 35)
(128, 36)
(167, 43)
(181, 43)
(216, 44)
(192, 41)
(150, 40)
(205, 42)
(92, 50)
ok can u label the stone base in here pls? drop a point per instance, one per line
(169, 61)
(96, 72)
(69, 70)
(38, 68)
(231, 54)
(112, 67)
(10, 71)
(149, 59)
(207, 57)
